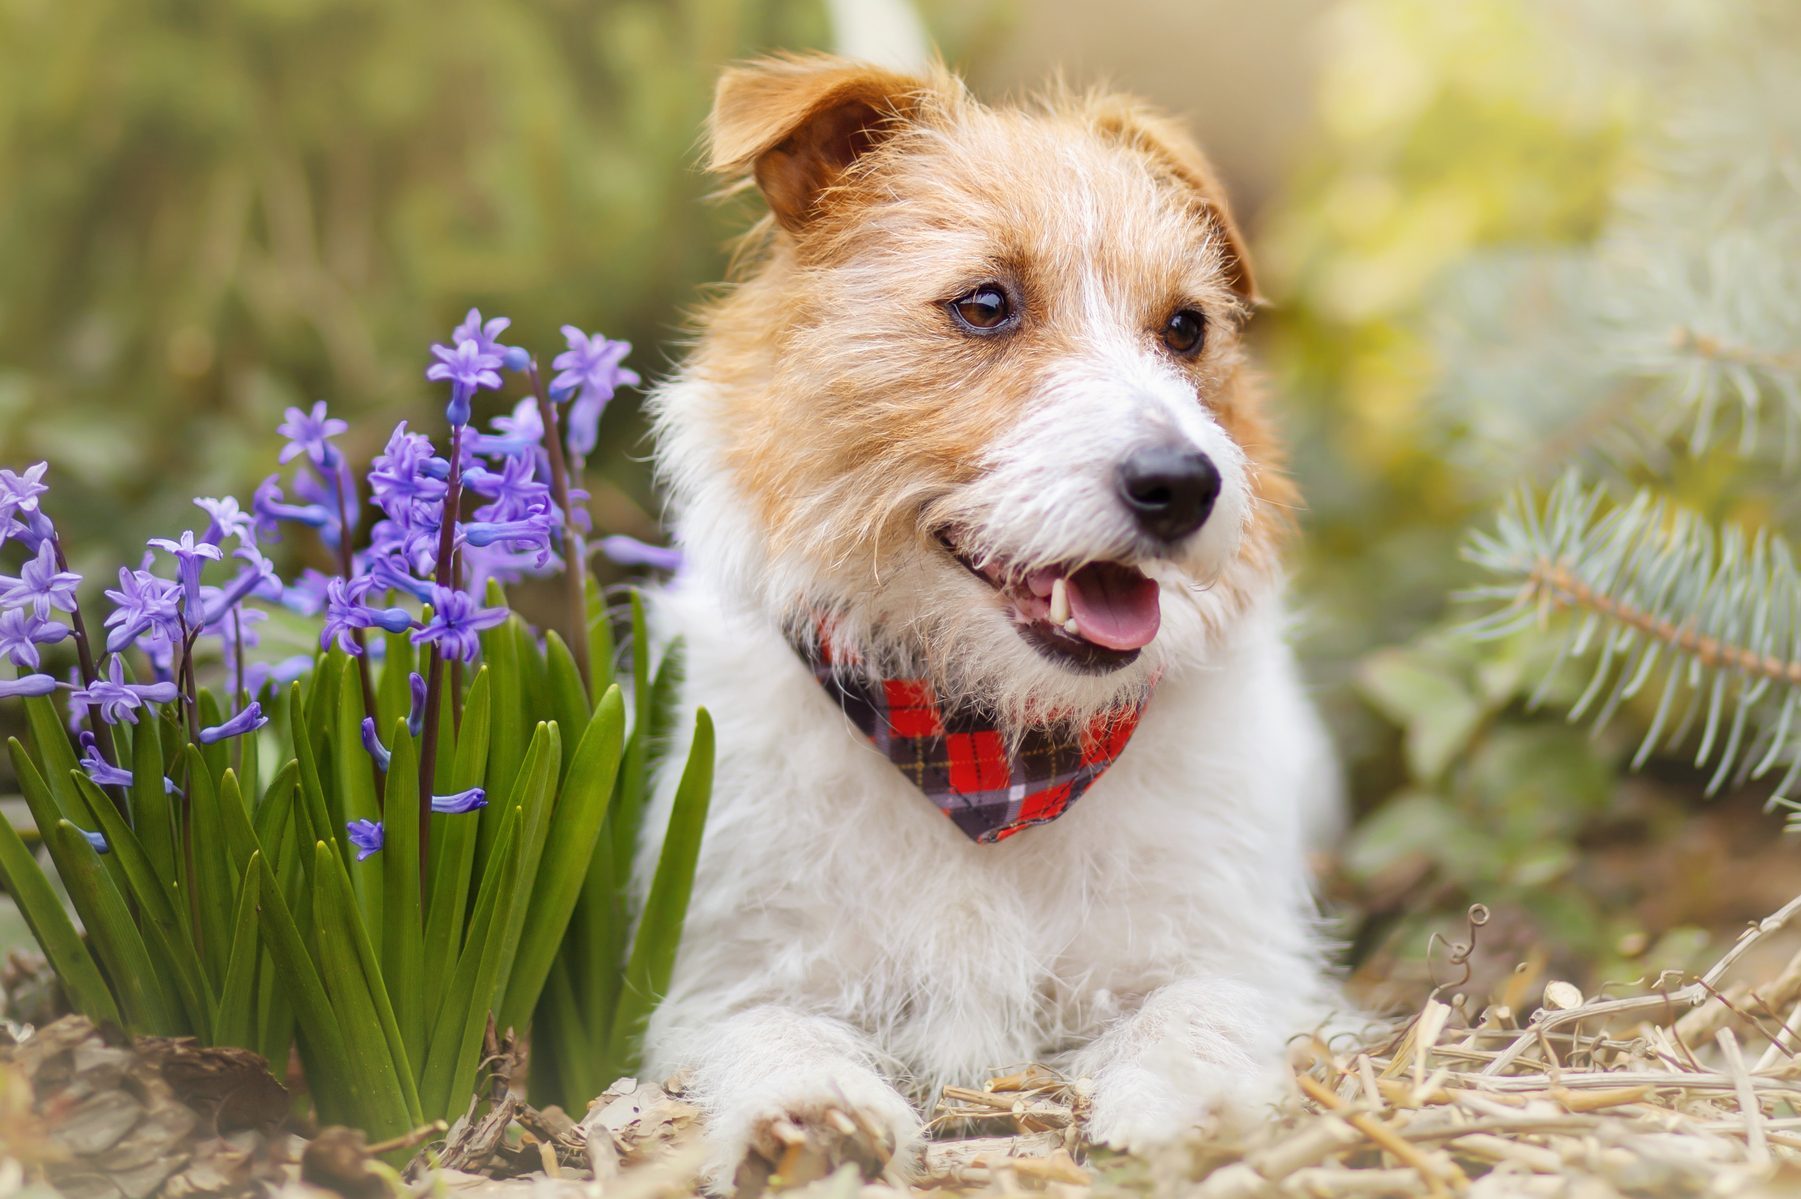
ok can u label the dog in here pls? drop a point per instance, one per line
(972, 479)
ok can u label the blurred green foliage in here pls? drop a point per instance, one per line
(1456, 143)
(215, 210)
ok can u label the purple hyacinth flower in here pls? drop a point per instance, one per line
(188, 558)
(310, 433)
(461, 803)
(514, 489)
(455, 621)
(119, 700)
(366, 836)
(467, 370)
(257, 578)
(27, 686)
(227, 520)
(531, 533)
(520, 433)
(384, 758)
(487, 339)
(270, 509)
(415, 717)
(591, 372)
(98, 768)
(247, 721)
(346, 612)
(40, 584)
(97, 840)
(19, 492)
(142, 603)
(21, 633)
(406, 474)
(629, 551)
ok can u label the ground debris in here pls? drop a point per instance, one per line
(108, 1119)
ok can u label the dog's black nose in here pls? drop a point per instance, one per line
(1170, 489)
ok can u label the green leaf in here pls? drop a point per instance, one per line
(53, 930)
(165, 932)
(215, 894)
(393, 692)
(457, 1032)
(402, 940)
(50, 740)
(274, 816)
(533, 796)
(600, 635)
(1429, 699)
(360, 998)
(145, 1000)
(628, 809)
(568, 697)
(571, 1075)
(652, 962)
(216, 755)
(322, 699)
(152, 808)
(315, 813)
(453, 852)
(235, 1023)
(507, 723)
(578, 816)
(332, 1076)
(240, 835)
(354, 772)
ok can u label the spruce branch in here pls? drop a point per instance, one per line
(1650, 595)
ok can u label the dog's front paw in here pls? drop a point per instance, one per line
(808, 1133)
(1138, 1110)
(1193, 1061)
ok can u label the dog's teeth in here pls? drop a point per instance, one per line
(1060, 603)
(1069, 626)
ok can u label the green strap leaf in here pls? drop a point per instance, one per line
(402, 939)
(164, 930)
(145, 999)
(53, 930)
(331, 1074)
(235, 1023)
(452, 864)
(354, 775)
(152, 807)
(457, 1033)
(352, 973)
(652, 962)
(215, 893)
(579, 813)
(568, 697)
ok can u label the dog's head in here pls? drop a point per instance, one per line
(979, 397)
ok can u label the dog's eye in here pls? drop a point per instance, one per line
(987, 309)
(1185, 333)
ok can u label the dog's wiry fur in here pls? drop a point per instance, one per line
(846, 946)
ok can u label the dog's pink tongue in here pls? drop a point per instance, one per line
(1114, 605)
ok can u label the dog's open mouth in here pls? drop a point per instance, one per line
(1094, 618)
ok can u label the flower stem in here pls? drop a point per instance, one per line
(185, 683)
(85, 653)
(575, 558)
(434, 679)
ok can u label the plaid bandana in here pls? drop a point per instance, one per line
(960, 759)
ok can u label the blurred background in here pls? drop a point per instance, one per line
(211, 211)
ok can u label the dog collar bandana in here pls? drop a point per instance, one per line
(960, 759)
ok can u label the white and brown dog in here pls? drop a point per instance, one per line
(973, 481)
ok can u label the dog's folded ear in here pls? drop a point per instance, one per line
(795, 123)
(1168, 146)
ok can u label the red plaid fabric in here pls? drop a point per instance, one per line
(960, 760)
